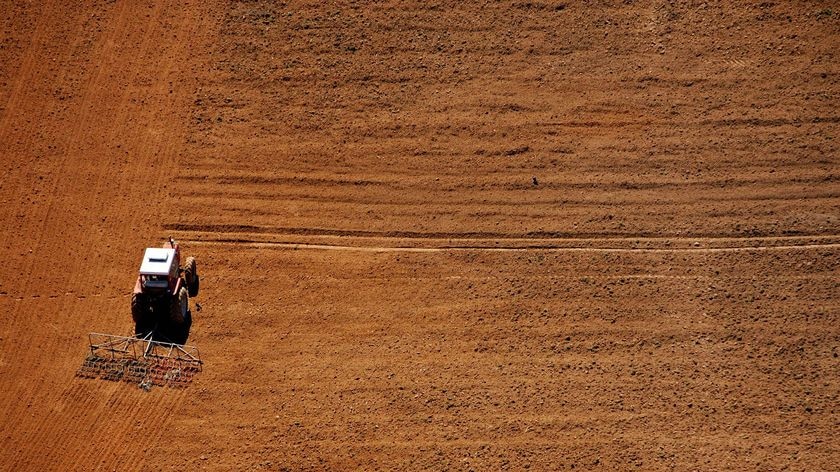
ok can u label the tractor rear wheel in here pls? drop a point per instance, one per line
(178, 306)
(179, 318)
(176, 328)
(191, 276)
(140, 313)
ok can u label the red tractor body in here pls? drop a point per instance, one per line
(160, 302)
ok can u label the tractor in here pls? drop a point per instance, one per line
(160, 302)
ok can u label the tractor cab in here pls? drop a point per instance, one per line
(159, 270)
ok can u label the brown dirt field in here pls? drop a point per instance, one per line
(432, 235)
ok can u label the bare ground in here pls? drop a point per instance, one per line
(431, 235)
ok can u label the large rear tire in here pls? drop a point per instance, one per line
(176, 328)
(142, 316)
(191, 276)
(178, 307)
(181, 331)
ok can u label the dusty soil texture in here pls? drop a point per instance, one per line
(431, 235)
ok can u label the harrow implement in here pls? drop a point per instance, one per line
(143, 361)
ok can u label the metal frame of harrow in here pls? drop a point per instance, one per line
(140, 360)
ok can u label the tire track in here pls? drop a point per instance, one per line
(653, 200)
(436, 242)
(245, 234)
(729, 122)
(258, 180)
(335, 247)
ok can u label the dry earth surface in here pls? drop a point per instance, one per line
(432, 235)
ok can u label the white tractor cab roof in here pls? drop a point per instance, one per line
(157, 261)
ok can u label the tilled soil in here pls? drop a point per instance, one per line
(432, 235)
